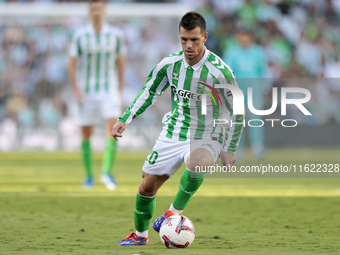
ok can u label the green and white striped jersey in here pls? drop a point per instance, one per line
(97, 55)
(185, 121)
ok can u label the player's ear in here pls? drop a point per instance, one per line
(205, 36)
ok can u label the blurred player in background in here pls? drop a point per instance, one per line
(187, 136)
(249, 63)
(96, 68)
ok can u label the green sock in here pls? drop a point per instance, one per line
(188, 185)
(145, 208)
(87, 157)
(109, 155)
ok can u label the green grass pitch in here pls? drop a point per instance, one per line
(43, 209)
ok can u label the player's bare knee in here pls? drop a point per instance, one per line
(146, 190)
(198, 165)
(86, 136)
(86, 133)
(199, 161)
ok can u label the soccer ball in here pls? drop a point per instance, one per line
(177, 231)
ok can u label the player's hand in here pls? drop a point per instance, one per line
(79, 96)
(228, 159)
(118, 129)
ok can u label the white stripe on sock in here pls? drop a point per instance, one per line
(143, 234)
(146, 196)
(175, 211)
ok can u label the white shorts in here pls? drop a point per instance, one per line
(96, 107)
(168, 155)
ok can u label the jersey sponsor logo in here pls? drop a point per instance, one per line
(213, 90)
(186, 93)
(197, 97)
(175, 76)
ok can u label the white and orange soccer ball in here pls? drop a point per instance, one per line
(177, 231)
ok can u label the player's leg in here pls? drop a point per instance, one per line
(110, 107)
(86, 120)
(162, 162)
(109, 155)
(146, 201)
(190, 182)
(145, 208)
(192, 177)
(86, 153)
(110, 148)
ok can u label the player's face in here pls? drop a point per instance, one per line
(193, 43)
(97, 11)
(244, 40)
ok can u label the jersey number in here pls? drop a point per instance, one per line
(153, 157)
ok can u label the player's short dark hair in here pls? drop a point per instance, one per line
(191, 20)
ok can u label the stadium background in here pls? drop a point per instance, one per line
(301, 39)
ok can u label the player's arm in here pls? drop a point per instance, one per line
(74, 51)
(156, 83)
(72, 69)
(120, 60)
(235, 130)
(120, 71)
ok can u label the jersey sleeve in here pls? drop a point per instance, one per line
(234, 131)
(74, 47)
(156, 83)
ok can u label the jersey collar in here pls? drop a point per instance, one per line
(200, 63)
(104, 28)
